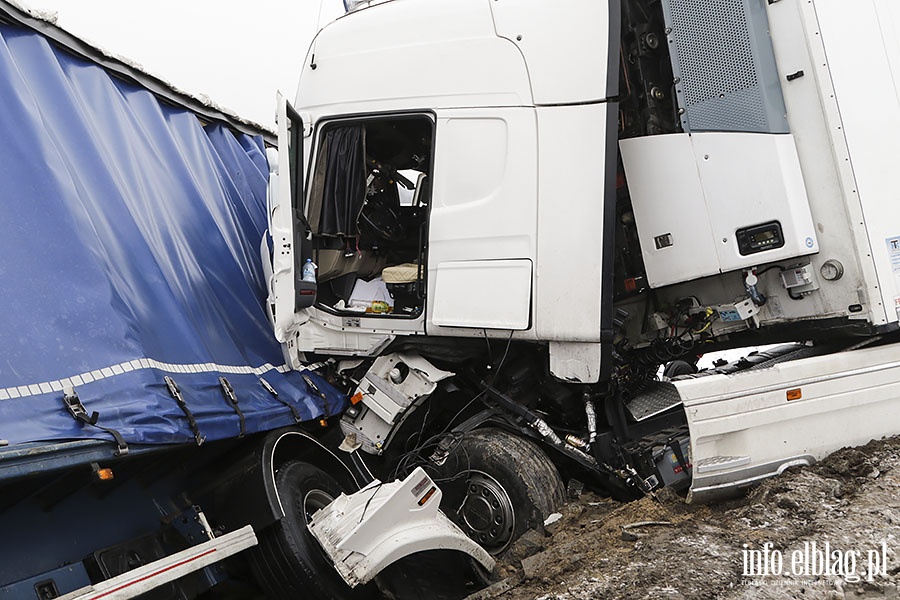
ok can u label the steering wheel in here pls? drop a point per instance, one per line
(381, 219)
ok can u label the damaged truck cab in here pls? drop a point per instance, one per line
(521, 211)
(424, 172)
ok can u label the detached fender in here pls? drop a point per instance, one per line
(365, 532)
(247, 493)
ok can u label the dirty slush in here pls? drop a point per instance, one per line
(829, 531)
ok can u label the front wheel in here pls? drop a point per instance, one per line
(499, 485)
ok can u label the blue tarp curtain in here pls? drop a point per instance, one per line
(129, 251)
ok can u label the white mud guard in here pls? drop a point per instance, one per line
(365, 532)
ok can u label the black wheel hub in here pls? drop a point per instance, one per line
(487, 514)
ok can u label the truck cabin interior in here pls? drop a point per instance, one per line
(368, 213)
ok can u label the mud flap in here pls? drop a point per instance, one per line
(365, 532)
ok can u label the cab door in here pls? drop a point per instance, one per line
(288, 227)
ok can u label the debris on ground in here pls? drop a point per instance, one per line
(828, 531)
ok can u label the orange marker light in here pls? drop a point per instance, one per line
(795, 394)
(356, 398)
(105, 474)
(427, 496)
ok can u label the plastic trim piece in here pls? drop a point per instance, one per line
(367, 531)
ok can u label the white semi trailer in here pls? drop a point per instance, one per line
(520, 210)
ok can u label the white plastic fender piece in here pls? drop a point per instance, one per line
(365, 532)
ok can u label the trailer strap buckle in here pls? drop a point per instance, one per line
(230, 396)
(176, 394)
(73, 404)
(268, 387)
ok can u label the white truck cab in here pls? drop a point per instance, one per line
(499, 226)
(470, 148)
(535, 205)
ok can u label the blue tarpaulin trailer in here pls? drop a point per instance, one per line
(130, 253)
(133, 327)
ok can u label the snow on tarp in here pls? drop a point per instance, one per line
(129, 251)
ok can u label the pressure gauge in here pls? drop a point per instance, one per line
(831, 270)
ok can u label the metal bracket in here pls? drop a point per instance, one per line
(73, 404)
(268, 387)
(176, 394)
(191, 525)
(230, 396)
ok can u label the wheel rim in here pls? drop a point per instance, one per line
(313, 501)
(486, 513)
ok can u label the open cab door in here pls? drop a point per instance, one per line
(289, 294)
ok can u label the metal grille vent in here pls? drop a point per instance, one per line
(723, 57)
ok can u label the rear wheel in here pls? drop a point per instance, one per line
(499, 486)
(288, 562)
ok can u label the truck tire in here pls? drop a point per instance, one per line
(501, 485)
(288, 562)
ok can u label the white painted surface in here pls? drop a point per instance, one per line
(565, 46)
(281, 224)
(165, 570)
(387, 397)
(847, 399)
(815, 120)
(667, 198)
(468, 62)
(867, 89)
(402, 55)
(483, 214)
(749, 179)
(702, 188)
(365, 532)
(484, 294)
(824, 158)
(576, 362)
(484, 188)
(569, 276)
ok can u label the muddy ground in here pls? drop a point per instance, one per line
(851, 500)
